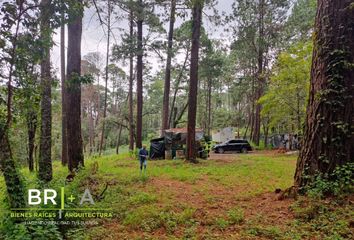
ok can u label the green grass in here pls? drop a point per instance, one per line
(236, 216)
(142, 208)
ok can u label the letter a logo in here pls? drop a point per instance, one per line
(87, 197)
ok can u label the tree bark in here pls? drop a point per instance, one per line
(247, 126)
(131, 82)
(11, 175)
(193, 83)
(166, 94)
(252, 115)
(260, 77)
(12, 178)
(256, 125)
(64, 143)
(209, 107)
(329, 135)
(31, 120)
(118, 139)
(177, 119)
(73, 92)
(171, 118)
(97, 148)
(204, 120)
(45, 172)
(266, 131)
(91, 124)
(106, 78)
(139, 74)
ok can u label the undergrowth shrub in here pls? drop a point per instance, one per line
(11, 230)
(339, 182)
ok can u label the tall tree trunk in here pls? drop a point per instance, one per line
(166, 94)
(193, 82)
(266, 131)
(31, 120)
(329, 134)
(209, 107)
(139, 79)
(73, 93)
(204, 119)
(13, 182)
(45, 147)
(91, 130)
(12, 178)
(178, 118)
(64, 143)
(97, 148)
(260, 77)
(247, 126)
(131, 82)
(171, 118)
(256, 124)
(252, 107)
(118, 139)
(106, 78)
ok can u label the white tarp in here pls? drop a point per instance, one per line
(223, 135)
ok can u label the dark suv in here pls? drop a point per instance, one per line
(239, 145)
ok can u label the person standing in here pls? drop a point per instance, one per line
(143, 155)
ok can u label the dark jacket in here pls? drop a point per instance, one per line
(143, 153)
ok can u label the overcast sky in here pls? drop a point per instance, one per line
(94, 39)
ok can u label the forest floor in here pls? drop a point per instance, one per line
(228, 196)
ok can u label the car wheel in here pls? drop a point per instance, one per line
(244, 150)
(221, 150)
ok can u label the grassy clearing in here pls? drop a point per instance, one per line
(228, 197)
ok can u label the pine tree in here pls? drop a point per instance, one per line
(73, 90)
(45, 147)
(329, 135)
(193, 82)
